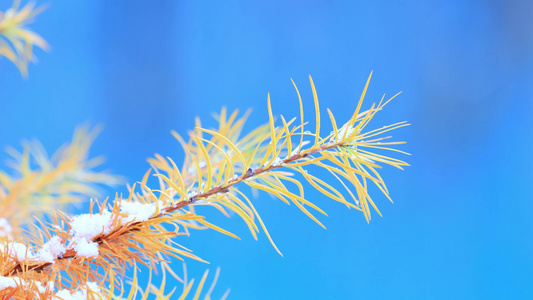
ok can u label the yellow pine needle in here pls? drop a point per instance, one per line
(222, 119)
(301, 112)
(317, 110)
(273, 140)
(208, 163)
(288, 135)
(217, 228)
(362, 124)
(111, 284)
(199, 171)
(212, 287)
(200, 286)
(333, 124)
(356, 113)
(145, 177)
(383, 130)
(177, 173)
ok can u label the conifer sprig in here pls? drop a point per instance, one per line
(99, 246)
(16, 41)
(39, 184)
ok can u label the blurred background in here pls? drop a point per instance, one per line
(460, 226)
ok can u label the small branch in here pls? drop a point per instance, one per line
(223, 188)
(250, 173)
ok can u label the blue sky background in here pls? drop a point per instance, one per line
(460, 227)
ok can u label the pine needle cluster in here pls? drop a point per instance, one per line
(92, 255)
(17, 41)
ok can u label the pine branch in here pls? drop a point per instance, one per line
(131, 230)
